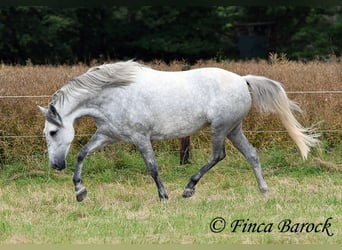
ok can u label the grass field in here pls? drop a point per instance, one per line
(122, 204)
(37, 204)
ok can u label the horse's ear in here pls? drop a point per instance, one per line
(51, 115)
(43, 110)
(52, 110)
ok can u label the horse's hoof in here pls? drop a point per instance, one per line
(188, 192)
(81, 194)
(266, 194)
(163, 198)
(264, 191)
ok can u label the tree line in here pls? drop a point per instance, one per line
(44, 35)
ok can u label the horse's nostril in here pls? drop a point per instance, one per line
(54, 166)
(58, 166)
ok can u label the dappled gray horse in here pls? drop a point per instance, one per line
(136, 104)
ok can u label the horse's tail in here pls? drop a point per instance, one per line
(269, 96)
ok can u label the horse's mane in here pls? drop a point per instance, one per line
(97, 78)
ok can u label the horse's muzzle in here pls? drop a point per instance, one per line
(58, 166)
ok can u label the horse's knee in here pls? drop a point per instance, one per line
(253, 156)
(81, 155)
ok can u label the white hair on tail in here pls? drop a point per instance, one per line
(269, 96)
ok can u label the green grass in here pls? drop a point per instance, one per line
(38, 204)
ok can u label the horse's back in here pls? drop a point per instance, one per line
(189, 100)
(205, 88)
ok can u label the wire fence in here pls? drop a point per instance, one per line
(245, 131)
(23, 96)
(3, 134)
(288, 92)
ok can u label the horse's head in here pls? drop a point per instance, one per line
(59, 135)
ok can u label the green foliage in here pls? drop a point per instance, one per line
(301, 32)
(179, 33)
(315, 38)
(45, 35)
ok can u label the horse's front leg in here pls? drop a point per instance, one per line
(146, 150)
(96, 142)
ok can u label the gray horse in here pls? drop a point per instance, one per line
(136, 104)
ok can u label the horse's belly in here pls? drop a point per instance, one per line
(176, 128)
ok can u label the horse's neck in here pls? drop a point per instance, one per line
(77, 107)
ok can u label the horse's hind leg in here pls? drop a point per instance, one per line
(217, 137)
(242, 144)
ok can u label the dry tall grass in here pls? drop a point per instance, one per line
(20, 116)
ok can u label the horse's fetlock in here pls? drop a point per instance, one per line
(76, 181)
(194, 179)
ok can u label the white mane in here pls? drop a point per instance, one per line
(97, 78)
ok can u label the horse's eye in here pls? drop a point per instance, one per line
(53, 133)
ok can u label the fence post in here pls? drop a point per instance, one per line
(185, 141)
